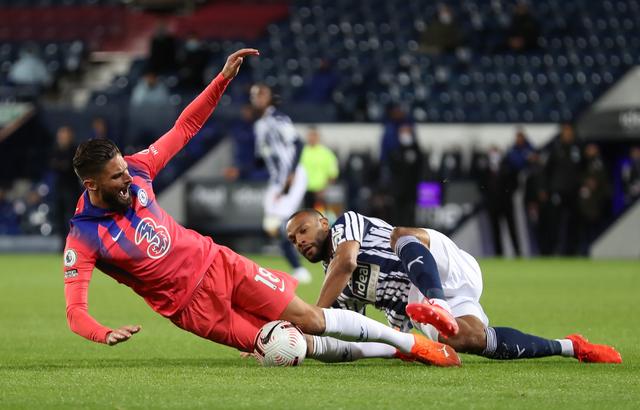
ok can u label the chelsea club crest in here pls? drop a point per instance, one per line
(143, 197)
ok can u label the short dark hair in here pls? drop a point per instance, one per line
(92, 155)
(306, 211)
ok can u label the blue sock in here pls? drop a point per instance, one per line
(505, 343)
(420, 266)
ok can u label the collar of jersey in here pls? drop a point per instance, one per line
(269, 111)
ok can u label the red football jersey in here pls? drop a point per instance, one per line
(143, 248)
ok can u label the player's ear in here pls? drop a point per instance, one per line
(324, 222)
(90, 184)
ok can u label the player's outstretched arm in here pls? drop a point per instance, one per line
(122, 334)
(194, 115)
(340, 268)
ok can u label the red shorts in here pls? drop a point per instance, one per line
(235, 298)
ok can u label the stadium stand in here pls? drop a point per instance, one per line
(331, 60)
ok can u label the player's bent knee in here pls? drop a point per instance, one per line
(397, 233)
(313, 321)
(400, 231)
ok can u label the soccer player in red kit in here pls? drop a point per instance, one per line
(202, 287)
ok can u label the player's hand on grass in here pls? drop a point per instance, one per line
(249, 356)
(234, 61)
(122, 334)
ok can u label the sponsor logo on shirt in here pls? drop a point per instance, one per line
(154, 150)
(70, 257)
(337, 235)
(155, 236)
(71, 273)
(143, 197)
(364, 281)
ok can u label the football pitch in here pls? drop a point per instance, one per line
(44, 365)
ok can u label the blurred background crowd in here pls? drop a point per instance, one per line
(77, 69)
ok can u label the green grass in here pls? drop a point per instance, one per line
(44, 365)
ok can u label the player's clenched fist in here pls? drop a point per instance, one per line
(122, 334)
(234, 61)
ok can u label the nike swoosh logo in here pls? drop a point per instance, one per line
(265, 339)
(416, 260)
(115, 238)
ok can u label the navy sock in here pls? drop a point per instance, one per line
(505, 343)
(420, 266)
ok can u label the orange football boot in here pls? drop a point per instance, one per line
(427, 351)
(593, 353)
(432, 314)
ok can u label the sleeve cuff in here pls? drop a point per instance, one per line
(103, 334)
(221, 80)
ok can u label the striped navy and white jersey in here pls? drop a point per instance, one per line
(379, 279)
(278, 143)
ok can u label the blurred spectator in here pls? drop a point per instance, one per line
(321, 165)
(442, 35)
(406, 163)
(192, 60)
(518, 154)
(395, 119)
(451, 164)
(67, 187)
(99, 128)
(499, 184)
(321, 84)
(162, 56)
(563, 171)
(524, 29)
(512, 170)
(246, 165)
(631, 176)
(29, 69)
(150, 91)
(594, 197)
(536, 203)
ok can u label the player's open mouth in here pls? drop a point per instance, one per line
(124, 193)
(307, 250)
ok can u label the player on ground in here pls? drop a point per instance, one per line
(280, 146)
(367, 261)
(202, 287)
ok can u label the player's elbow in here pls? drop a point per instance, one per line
(72, 319)
(347, 266)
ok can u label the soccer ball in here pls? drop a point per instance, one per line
(280, 343)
